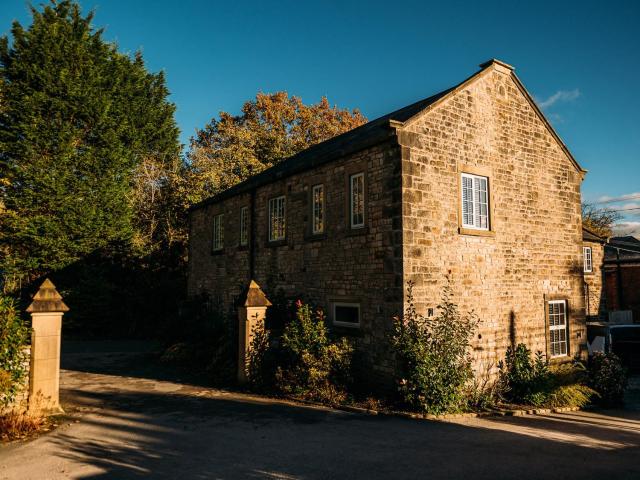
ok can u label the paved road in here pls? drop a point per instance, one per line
(134, 425)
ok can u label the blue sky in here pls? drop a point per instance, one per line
(580, 59)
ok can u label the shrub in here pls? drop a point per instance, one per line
(528, 380)
(13, 338)
(524, 379)
(433, 365)
(608, 377)
(304, 361)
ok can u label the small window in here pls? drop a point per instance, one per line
(346, 314)
(357, 200)
(317, 214)
(218, 232)
(277, 225)
(475, 202)
(244, 226)
(557, 328)
(588, 259)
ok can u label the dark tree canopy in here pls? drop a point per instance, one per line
(76, 118)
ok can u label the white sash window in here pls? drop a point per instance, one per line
(475, 202)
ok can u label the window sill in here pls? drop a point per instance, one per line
(347, 331)
(276, 243)
(477, 233)
(314, 237)
(353, 232)
(217, 252)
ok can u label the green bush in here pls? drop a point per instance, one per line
(13, 338)
(304, 361)
(433, 364)
(608, 377)
(527, 380)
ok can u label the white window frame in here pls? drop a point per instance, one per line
(218, 233)
(476, 213)
(277, 206)
(346, 324)
(587, 258)
(561, 327)
(244, 226)
(352, 201)
(317, 209)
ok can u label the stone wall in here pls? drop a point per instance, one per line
(532, 253)
(534, 249)
(362, 266)
(595, 298)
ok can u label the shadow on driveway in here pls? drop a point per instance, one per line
(134, 426)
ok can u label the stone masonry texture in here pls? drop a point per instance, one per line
(532, 253)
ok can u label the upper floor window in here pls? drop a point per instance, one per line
(588, 259)
(557, 311)
(356, 202)
(244, 226)
(277, 225)
(317, 214)
(218, 232)
(475, 202)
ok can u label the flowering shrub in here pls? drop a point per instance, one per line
(13, 338)
(433, 363)
(608, 377)
(304, 361)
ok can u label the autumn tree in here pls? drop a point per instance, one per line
(270, 128)
(599, 220)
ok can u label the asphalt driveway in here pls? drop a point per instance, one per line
(134, 423)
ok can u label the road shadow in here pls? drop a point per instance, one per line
(129, 358)
(226, 437)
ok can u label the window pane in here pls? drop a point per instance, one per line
(244, 226)
(218, 232)
(347, 314)
(357, 200)
(318, 209)
(277, 226)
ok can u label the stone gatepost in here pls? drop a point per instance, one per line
(251, 312)
(46, 312)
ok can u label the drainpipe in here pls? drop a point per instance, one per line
(619, 280)
(252, 236)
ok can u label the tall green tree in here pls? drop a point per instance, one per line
(76, 120)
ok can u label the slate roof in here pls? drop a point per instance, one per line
(364, 136)
(590, 236)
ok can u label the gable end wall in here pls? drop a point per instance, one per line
(535, 249)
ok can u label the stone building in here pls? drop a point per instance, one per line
(471, 186)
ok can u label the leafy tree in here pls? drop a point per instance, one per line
(77, 117)
(599, 220)
(270, 128)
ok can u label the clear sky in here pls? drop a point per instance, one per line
(580, 59)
